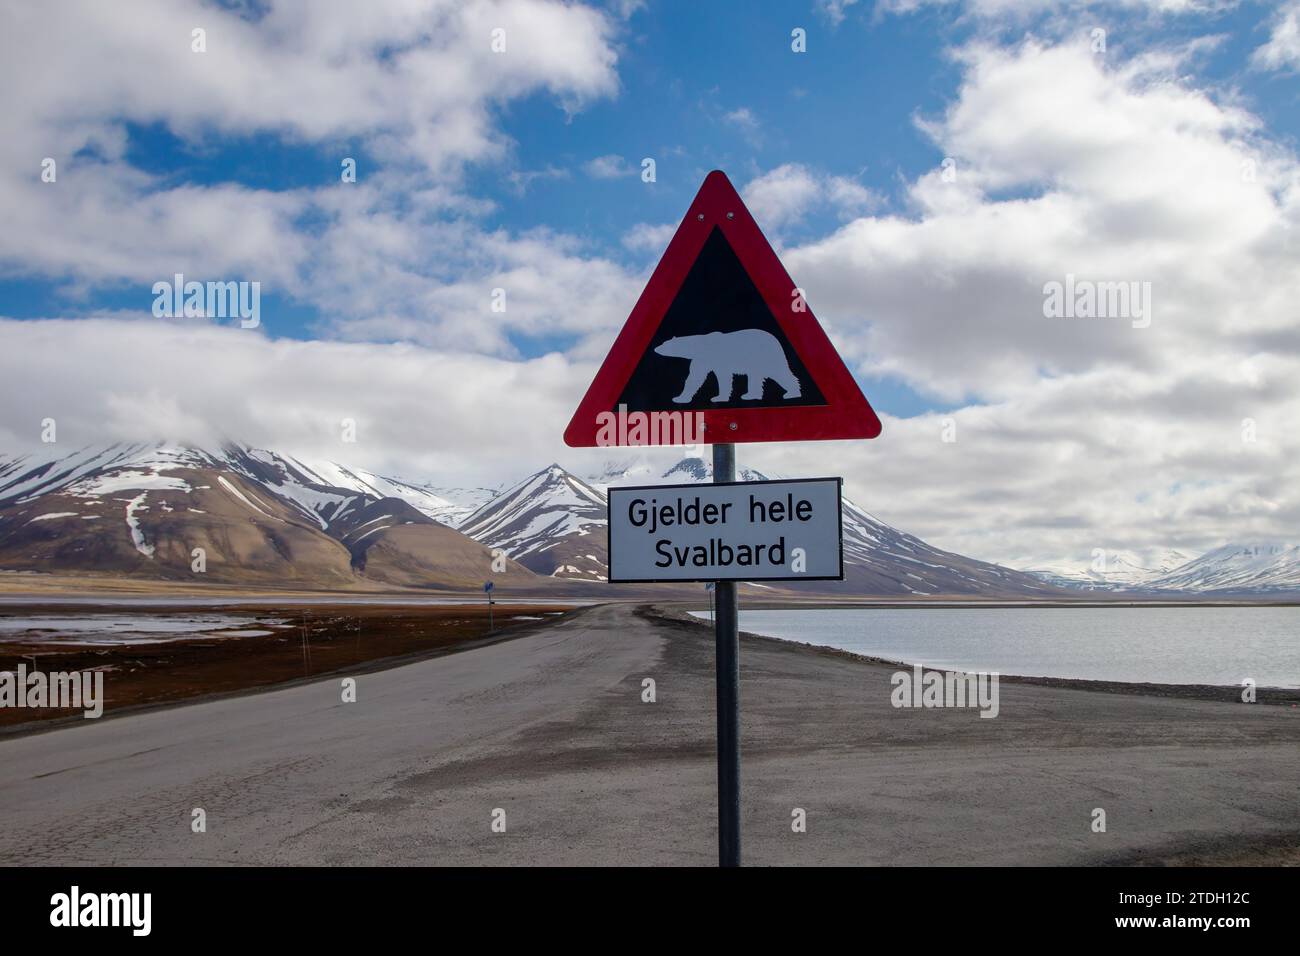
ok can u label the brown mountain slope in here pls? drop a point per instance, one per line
(164, 513)
(424, 555)
(245, 535)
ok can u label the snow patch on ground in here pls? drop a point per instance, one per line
(240, 495)
(133, 523)
(129, 481)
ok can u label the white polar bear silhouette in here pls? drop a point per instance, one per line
(750, 352)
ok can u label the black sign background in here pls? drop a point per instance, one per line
(716, 296)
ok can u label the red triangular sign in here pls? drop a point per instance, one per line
(720, 337)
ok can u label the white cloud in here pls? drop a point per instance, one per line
(611, 166)
(746, 122)
(1113, 174)
(781, 195)
(644, 237)
(1282, 51)
(415, 84)
(423, 73)
(626, 8)
(834, 10)
(791, 191)
(1025, 9)
(1077, 433)
(521, 180)
(385, 278)
(448, 415)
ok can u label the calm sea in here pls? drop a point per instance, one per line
(1192, 645)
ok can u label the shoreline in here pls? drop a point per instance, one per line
(20, 588)
(669, 613)
(1229, 693)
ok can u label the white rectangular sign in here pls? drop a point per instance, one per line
(733, 531)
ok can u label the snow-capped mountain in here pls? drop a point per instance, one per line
(644, 470)
(555, 523)
(552, 523)
(464, 501)
(1257, 568)
(145, 510)
(149, 510)
(320, 489)
(1253, 567)
(1239, 568)
(1118, 571)
(304, 482)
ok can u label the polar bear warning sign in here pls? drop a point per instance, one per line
(723, 335)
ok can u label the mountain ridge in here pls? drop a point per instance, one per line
(237, 515)
(140, 509)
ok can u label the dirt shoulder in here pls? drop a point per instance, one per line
(267, 645)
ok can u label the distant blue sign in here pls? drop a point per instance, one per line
(487, 585)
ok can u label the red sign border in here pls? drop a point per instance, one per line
(846, 414)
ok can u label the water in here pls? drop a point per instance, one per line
(116, 629)
(1184, 645)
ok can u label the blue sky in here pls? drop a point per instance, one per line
(847, 106)
(521, 171)
(701, 87)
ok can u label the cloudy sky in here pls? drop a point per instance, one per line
(925, 169)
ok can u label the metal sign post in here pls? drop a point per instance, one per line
(727, 665)
(487, 589)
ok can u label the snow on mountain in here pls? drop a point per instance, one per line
(24, 478)
(259, 516)
(650, 468)
(552, 522)
(127, 508)
(701, 470)
(1115, 571)
(555, 522)
(464, 501)
(1240, 567)
(1253, 567)
(322, 490)
(1164, 562)
(638, 471)
(315, 485)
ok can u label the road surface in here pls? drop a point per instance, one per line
(551, 729)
